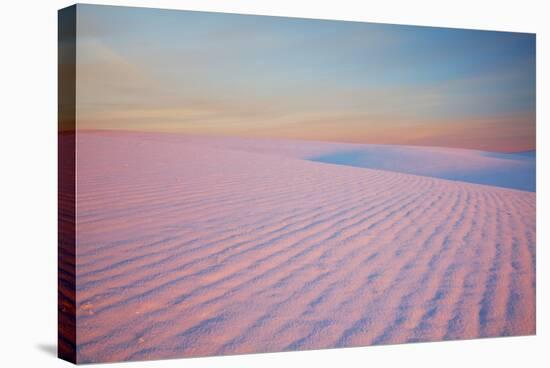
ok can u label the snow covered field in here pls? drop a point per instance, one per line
(191, 246)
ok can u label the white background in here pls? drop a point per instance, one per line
(28, 180)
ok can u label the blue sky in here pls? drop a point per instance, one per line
(258, 76)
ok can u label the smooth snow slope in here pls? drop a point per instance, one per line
(193, 246)
(509, 170)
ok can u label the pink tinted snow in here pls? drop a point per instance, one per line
(191, 246)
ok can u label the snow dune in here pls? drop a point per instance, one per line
(509, 170)
(192, 246)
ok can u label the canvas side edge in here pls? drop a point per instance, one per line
(66, 293)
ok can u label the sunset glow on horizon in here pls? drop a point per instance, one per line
(255, 76)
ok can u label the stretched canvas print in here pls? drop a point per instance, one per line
(234, 184)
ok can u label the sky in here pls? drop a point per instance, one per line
(203, 73)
